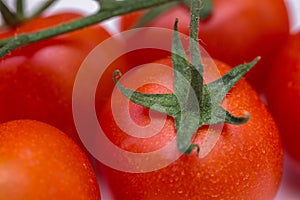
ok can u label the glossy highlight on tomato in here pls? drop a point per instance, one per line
(38, 161)
(245, 163)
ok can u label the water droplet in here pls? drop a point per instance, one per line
(180, 192)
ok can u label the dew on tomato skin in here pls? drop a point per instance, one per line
(251, 158)
(250, 148)
(182, 173)
(214, 195)
(243, 156)
(174, 168)
(176, 179)
(26, 154)
(206, 177)
(215, 181)
(246, 177)
(85, 166)
(225, 180)
(180, 192)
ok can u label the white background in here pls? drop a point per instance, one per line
(290, 187)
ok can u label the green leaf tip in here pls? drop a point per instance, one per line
(191, 148)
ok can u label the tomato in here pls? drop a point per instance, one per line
(245, 163)
(283, 94)
(37, 80)
(37, 161)
(236, 32)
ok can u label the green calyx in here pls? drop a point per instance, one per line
(192, 103)
(153, 13)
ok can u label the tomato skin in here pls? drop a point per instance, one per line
(246, 162)
(37, 80)
(283, 94)
(237, 31)
(37, 161)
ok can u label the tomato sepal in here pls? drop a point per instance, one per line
(192, 103)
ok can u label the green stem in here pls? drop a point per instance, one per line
(196, 61)
(20, 8)
(9, 17)
(108, 4)
(206, 10)
(24, 39)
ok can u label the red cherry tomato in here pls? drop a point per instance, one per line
(37, 80)
(37, 161)
(283, 94)
(245, 163)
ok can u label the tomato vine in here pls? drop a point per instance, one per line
(109, 9)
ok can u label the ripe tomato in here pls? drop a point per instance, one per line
(37, 80)
(245, 163)
(236, 32)
(283, 94)
(37, 161)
